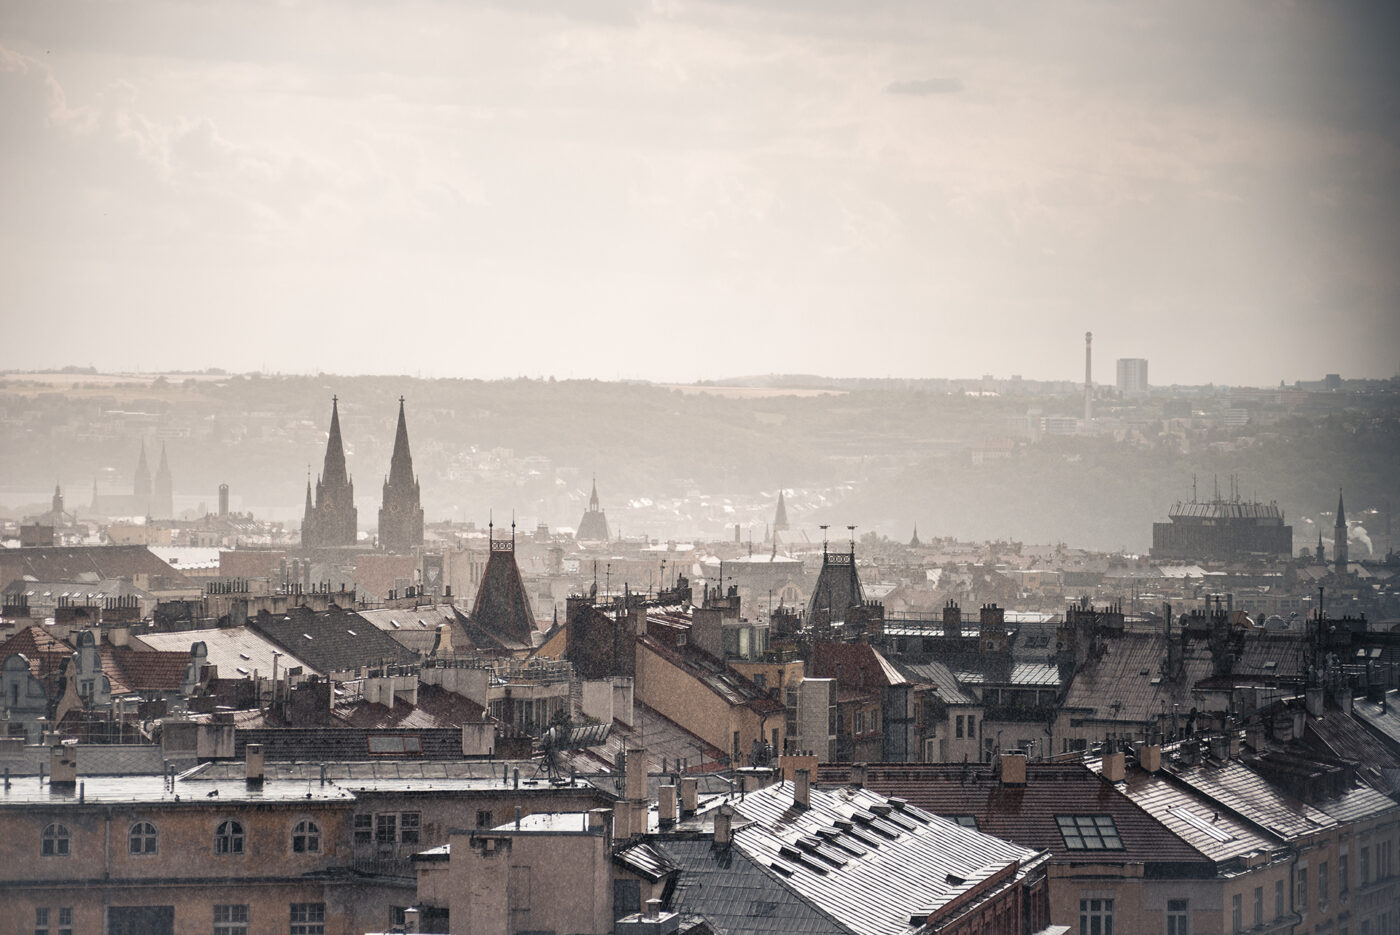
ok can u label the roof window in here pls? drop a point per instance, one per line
(1089, 832)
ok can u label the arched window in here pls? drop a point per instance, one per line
(141, 839)
(306, 838)
(228, 838)
(55, 841)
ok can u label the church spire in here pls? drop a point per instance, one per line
(780, 520)
(333, 474)
(593, 497)
(401, 515)
(1339, 538)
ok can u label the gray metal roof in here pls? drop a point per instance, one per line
(238, 652)
(866, 861)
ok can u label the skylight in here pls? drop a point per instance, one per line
(1089, 832)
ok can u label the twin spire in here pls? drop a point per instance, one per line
(331, 520)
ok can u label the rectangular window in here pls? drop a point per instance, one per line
(1259, 905)
(231, 920)
(972, 725)
(960, 726)
(1236, 914)
(308, 919)
(409, 825)
(1322, 885)
(1278, 899)
(386, 828)
(1365, 865)
(1178, 917)
(483, 818)
(1096, 917)
(364, 829)
(41, 921)
(1302, 887)
(1089, 832)
(65, 920)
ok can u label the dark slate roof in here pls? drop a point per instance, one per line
(1026, 814)
(319, 744)
(735, 894)
(330, 641)
(645, 861)
(666, 743)
(1343, 736)
(714, 675)
(1119, 685)
(502, 606)
(59, 563)
(945, 684)
(437, 707)
(837, 588)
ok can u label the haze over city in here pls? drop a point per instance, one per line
(677, 191)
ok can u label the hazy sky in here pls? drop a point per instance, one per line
(677, 190)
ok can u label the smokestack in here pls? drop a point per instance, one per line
(223, 499)
(1088, 375)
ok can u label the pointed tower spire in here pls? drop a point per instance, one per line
(401, 515)
(141, 486)
(1339, 537)
(163, 489)
(780, 519)
(593, 497)
(333, 474)
(333, 519)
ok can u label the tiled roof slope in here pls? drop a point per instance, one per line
(1118, 685)
(859, 665)
(330, 641)
(45, 652)
(731, 890)
(1026, 814)
(152, 670)
(924, 865)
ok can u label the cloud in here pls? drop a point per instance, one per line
(925, 86)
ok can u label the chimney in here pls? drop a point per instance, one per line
(410, 920)
(253, 763)
(858, 771)
(723, 826)
(598, 818)
(1113, 766)
(1150, 757)
(1232, 743)
(63, 765)
(1013, 769)
(1299, 723)
(690, 788)
(653, 910)
(1316, 700)
(666, 804)
(635, 773)
(802, 788)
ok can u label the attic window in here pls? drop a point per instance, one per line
(967, 821)
(242, 671)
(394, 624)
(955, 881)
(1089, 832)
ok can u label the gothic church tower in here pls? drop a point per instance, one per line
(331, 519)
(401, 516)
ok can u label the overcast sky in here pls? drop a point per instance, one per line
(677, 190)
